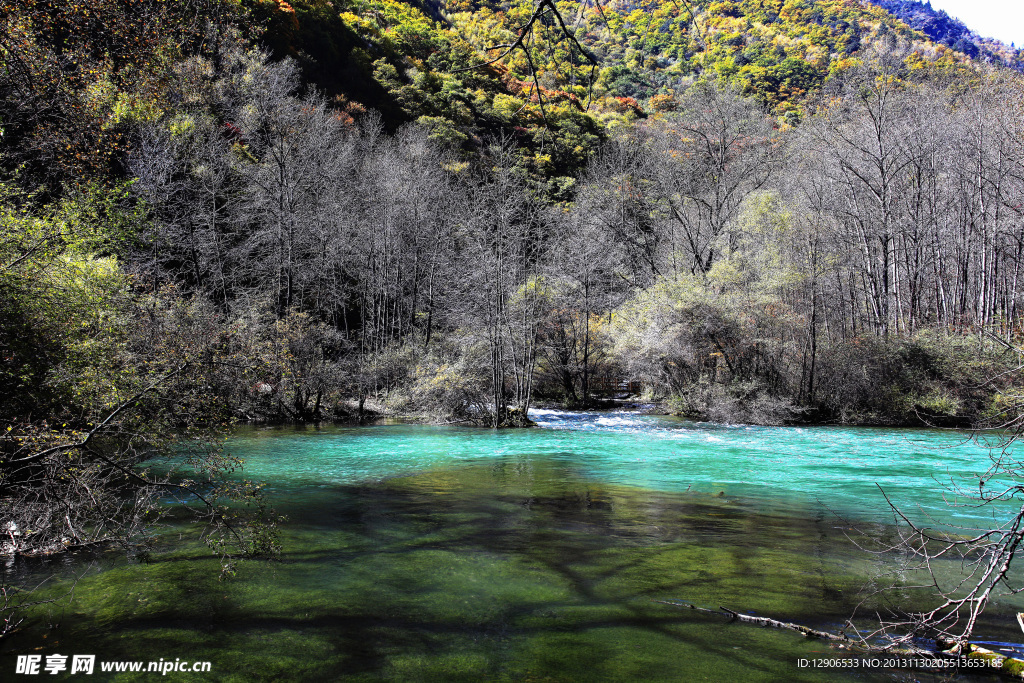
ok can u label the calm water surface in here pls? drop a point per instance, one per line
(418, 553)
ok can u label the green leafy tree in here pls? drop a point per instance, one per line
(106, 398)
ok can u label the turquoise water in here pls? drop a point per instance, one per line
(422, 553)
(787, 468)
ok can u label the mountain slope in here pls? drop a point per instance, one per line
(779, 51)
(949, 31)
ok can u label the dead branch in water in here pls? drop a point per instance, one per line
(764, 621)
(998, 663)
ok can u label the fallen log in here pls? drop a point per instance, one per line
(997, 663)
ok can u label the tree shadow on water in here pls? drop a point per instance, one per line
(407, 580)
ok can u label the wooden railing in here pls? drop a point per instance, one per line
(608, 385)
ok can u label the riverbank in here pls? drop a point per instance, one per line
(754, 409)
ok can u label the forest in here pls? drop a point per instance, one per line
(219, 212)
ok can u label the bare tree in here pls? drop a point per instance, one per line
(190, 185)
(717, 150)
(404, 222)
(501, 293)
(584, 284)
(619, 200)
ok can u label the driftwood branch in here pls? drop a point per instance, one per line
(997, 663)
(763, 621)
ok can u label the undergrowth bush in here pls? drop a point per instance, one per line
(931, 377)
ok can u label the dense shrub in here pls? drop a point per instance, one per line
(931, 377)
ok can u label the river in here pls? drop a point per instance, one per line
(425, 553)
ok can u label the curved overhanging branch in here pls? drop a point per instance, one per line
(97, 429)
(542, 9)
(111, 425)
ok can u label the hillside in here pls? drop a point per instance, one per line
(429, 62)
(409, 60)
(779, 52)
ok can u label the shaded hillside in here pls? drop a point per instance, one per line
(409, 61)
